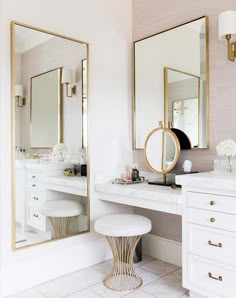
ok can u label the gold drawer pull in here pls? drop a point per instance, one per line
(212, 203)
(220, 278)
(212, 219)
(212, 244)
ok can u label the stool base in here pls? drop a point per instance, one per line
(123, 276)
(64, 226)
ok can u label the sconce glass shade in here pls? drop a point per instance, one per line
(67, 76)
(227, 25)
(19, 90)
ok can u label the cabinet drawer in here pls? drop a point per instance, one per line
(212, 219)
(36, 198)
(35, 176)
(212, 202)
(213, 244)
(35, 185)
(36, 219)
(210, 277)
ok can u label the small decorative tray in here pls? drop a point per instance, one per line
(125, 182)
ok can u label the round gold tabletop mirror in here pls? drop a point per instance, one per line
(161, 151)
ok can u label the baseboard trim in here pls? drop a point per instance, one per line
(163, 249)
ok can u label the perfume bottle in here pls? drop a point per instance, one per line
(135, 173)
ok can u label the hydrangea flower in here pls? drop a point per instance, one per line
(59, 148)
(226, 148)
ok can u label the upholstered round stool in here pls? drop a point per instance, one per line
(63, 215)
(123, 231)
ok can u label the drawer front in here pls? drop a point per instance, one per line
(213, 244)
(35, 185)
(36, 198)
(212, 202)
(212, 219)
(34, 176)
(36, 219)
(210, 277)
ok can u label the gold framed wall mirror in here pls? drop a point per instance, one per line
(165, 58)
(50, 160)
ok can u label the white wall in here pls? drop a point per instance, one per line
(106, 25)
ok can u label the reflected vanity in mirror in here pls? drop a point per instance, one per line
(161, 152)
(49, 107)
(171, 83)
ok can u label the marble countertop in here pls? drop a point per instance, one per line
(77, 182)
(208, 180)
(154, 197)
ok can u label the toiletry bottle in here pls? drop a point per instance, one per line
(135, 173)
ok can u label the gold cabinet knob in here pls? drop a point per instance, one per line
(212, 203)
(212, 219)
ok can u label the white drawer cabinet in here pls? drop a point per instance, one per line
(212, 244)
(212, 219)
(36, 196)
(213, 202)
(215, 279)
(36, 219)
(209, 234)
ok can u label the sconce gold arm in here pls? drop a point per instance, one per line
(231, 47)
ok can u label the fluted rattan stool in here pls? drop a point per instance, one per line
(64, 216)
(123, 232)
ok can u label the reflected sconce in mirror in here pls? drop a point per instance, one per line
(68, 78)
(19, 95)
(227, 30)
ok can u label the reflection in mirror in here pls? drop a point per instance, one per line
(182, 100)
(45, 104)
(188, 55)
(161, 151)
(49, 87)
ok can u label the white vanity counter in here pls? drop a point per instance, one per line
(73, 185)
(154, 197)
(208, 180)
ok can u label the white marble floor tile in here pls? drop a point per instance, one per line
(146, 276)
(139, 294)
(27, 294)
(104, 267)
(145, 260)
(169, 286)
(71, 283)
(159, 267)
(104, 292)
(83, 294)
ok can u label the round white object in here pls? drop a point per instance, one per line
(123, 225)
(62, 208)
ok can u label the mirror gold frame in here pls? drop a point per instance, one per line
(177, 145)
(13, 174)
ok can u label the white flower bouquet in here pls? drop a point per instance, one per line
(59, 149)
(227, 148)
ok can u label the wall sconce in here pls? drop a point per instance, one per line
(227, 30)
(20, 100)
(68, 78)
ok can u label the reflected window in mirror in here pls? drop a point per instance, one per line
(172, 54)
(51, 197)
